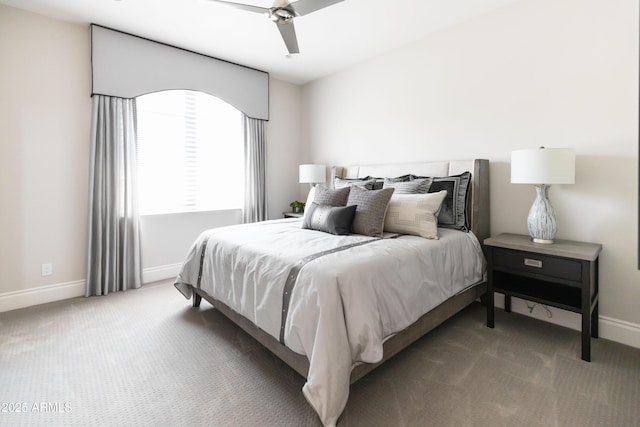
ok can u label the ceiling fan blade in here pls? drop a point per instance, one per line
(288, 33)
(248, 7)
(304, 7)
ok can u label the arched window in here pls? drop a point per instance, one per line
(190, 153)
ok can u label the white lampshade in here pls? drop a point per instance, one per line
(543, 166)
(313, 174)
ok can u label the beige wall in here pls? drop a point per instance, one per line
(45, 113)
(283, 150)
(558, 73)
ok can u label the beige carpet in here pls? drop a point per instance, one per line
(146, 358)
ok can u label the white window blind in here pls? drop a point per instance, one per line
(190, 153)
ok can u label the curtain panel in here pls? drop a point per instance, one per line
(255, 165)
(114, 236)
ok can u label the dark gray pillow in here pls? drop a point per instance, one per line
(328, 196)
(453, 212)
(372, 207)
(379, 184)
(330, 219)
(360, 182)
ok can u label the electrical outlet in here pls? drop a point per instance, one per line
(47, 269)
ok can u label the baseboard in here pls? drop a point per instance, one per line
(609, 328)
(620, 331)
(163, 272)
(41, 295)
(59, 291)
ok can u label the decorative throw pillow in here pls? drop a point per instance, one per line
(417, 186)
(310, 197)
(331, 197)
(414, 214)
(330, 219)
(453, 213)
(372, 206)
(360, 182)
(379, 182)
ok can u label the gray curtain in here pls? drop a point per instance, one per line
(255, 164)
(114, 235)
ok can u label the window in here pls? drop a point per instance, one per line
(190, 153)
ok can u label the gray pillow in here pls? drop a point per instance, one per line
(372, 207)
(453, 212)
(417, 186)
(330, 219)
(328, 196)
(379, 183)
(367, 183)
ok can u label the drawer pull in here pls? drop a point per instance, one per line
(533, 262)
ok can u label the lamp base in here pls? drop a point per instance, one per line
(543, 241)
(542, 217)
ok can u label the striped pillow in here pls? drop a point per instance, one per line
(417, 186)
(366, 183)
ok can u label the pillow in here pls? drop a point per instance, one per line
(414, 214)
(330, 219)
(453, 213)
(417, 186)
(310, 197)
(379, 182)
(360, 182)
(331, 197)
(372, 206)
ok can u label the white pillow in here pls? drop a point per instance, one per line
(415, 214)
(310, 197)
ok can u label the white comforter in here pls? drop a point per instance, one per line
(344, 305)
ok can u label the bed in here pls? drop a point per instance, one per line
(334, 307)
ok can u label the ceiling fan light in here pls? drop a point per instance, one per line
(277, 15)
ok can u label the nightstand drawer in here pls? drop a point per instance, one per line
(530, 262)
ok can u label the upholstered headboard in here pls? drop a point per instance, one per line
(478, 206)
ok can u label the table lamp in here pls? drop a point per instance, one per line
(543, 167)
(312, 174)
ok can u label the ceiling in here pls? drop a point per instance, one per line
(330, 39)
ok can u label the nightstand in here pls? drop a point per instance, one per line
(563, 275)
(293, 214)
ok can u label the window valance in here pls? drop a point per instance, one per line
(128, 66)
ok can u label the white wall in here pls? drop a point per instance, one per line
(166, 239)
(45, 114)
(283, 149)
(558, 73)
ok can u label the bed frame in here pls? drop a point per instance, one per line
(478, 212)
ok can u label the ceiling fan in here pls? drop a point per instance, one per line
(282, 13)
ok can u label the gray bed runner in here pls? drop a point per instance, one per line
(293, 277)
